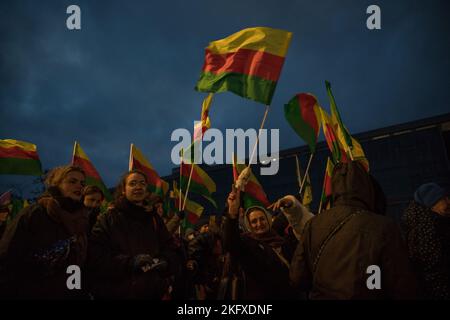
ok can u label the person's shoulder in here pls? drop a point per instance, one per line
(111, 216)
(32, 212)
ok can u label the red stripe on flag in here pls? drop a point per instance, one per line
(152, 176)
(186, 171)
(306, 103)
(255, 191)
(18, 153)
(87, 166)
(245, 61)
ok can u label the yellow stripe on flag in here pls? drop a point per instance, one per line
(11, 143)
(273, 41)
(137, 154)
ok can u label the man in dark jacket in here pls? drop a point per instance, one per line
(340, 247)
(426, 224)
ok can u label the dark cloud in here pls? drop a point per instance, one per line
(128, 75)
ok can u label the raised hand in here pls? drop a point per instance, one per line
(234, 201)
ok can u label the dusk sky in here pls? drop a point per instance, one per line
(128, 75)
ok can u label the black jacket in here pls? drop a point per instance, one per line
(118, 236)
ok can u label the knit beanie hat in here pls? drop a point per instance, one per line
(428, 194)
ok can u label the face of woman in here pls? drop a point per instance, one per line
(135, 188)
(93, 200)
(258, 222)
(72, 184)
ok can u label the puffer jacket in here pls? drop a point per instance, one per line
(428, 238)
(340, 244)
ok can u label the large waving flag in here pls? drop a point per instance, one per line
(139, 162)
(247, 63)
(205, 123)
(192, 210)
(302, 113)
(254, 194)
(80, 159)
(350, 144)
(200, 183)
(19, 157)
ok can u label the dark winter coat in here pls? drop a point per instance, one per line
(428, 239)
(206, 251)
(37, 250)
(266, 275)
(364, 239)
(118, 236)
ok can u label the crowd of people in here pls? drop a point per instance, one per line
(136, 250)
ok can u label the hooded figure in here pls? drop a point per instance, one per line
(347, 249)
(427, 232)
(263, 255)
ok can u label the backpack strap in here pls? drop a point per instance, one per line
(328, 238)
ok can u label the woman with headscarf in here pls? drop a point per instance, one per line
(46, 238)
(263, 254)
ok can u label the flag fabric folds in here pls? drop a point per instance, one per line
(139, 162)
(200, 183)
(338, 154)
(19, 157)
(349, 144)
(326, 190)
(192, 210)
(204, 123)
(337, 117)
(302, 113)
(247, 63)
(254, 194)
(80, 159)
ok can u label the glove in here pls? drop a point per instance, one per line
(158, 265)
(141, 261)
(296, 214)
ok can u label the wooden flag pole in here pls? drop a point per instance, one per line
(257, 138)
(181, 168)
(74, 150)
(306, 172)
(188, 185)
(299, 177)
(130, 162)
(320, 206)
